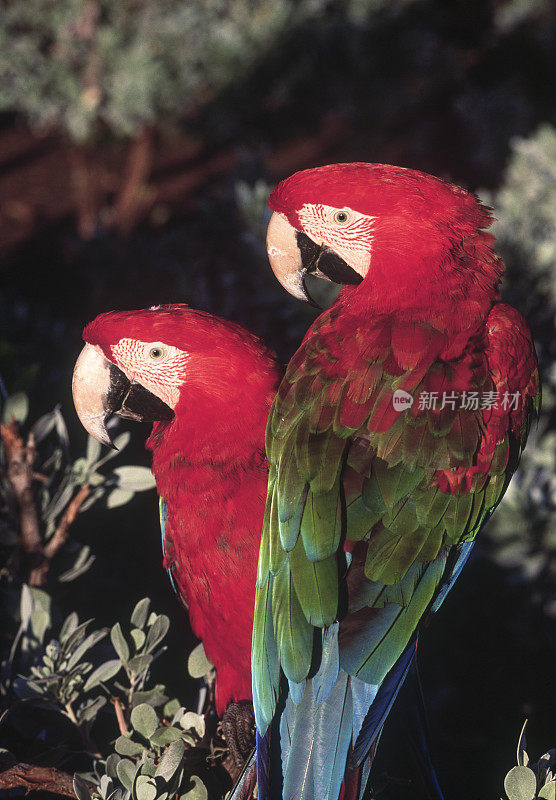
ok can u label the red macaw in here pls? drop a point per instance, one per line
(207, 384)
(393, 437)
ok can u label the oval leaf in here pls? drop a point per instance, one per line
(126, 771)
(170, 761)
(138, 637)
(16, 407)
(103, 673)
(145, 788)
(135, 479)
(190, 720)
(144, 720)
(80, 788)
(140, 613)
(198, 663)
(197, 791)
(520, 784)
(118, 497)
(127, 747)
(120, 645)
(139, 664)
(164, 736)
(548, 791)
(157, 632)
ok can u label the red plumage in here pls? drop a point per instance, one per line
(211, 470)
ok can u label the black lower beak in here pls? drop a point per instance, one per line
(132, 401)
(321, 259)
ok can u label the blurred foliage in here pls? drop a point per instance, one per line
(88, 66)
(57, 479)
(531, 781)
(522, 533)
(62, 685)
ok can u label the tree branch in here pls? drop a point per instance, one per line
(33, 778)
(20, 458)
(135, 195)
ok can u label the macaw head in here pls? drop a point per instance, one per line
(156, 363)
(389, 228)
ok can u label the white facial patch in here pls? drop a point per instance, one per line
(345, 231)
(159, 367)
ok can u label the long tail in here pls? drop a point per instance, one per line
(416, 725)
(245, 783)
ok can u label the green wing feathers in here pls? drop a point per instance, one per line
(364, 501)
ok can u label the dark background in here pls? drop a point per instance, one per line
(439, 86)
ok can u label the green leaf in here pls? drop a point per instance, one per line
(83, 562)
(93, 450)
(144, 720)
(77, 636)
(139, 664)
(154, 697)
(126, 771)
(138, 637)
(16, 407)
(170, 761)
(103, 673)
(43, 426)
(145, 788)
(198, 664)
(89, 711)
(164, 736)
(171, 708)
(26, 607)
(133, 478)
(148, 767)
(70, 624)
(522, 757)
(190, 720)
(118, 497)
(121, 442)
(85, 645)
(111, 764)
(197, 791)
(520, 784)
(157, 632)
(125, 746)
(80, 788)
(548, 791)
(120, 645)
(140, 613)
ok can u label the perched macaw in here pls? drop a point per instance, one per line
(393, 437)
(207, 384)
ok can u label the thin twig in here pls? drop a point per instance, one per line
(119, 709)
(59, 537)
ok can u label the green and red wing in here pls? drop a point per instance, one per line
(365, 503)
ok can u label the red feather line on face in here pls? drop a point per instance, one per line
(431, 259)
(211, 470)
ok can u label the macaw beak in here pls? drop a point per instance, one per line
(293, 255)
(100, 390)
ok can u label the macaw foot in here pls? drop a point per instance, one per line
(238, 727)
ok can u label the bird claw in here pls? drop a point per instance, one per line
(238, 727)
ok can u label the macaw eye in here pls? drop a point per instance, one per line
(341, 217)
(157, 353)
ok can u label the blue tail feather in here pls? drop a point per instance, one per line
(382, 704)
